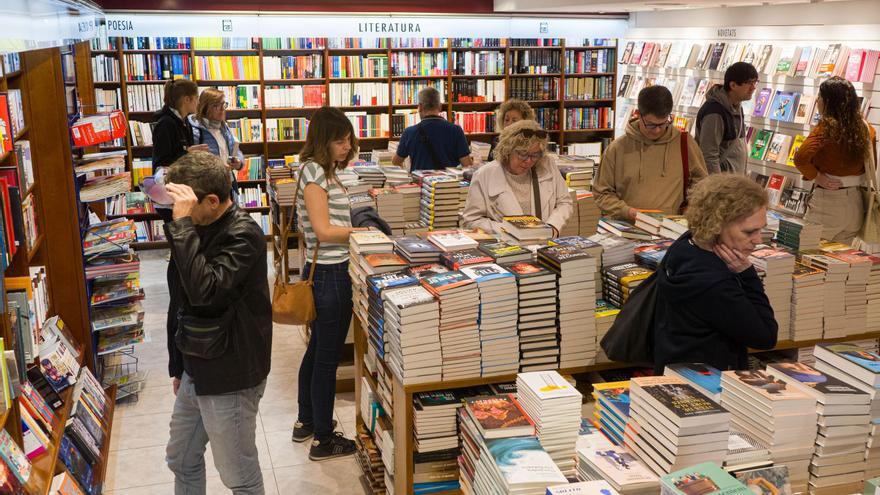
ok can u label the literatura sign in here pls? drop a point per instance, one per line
(333, 26)
(389, 27)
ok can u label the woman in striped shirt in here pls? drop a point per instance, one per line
(325, 221)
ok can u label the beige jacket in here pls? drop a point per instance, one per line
(644, 174)
(490, 198)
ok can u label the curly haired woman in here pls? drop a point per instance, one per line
(711, 305)
(834, 156)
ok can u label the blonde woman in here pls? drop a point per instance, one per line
(711, 305)
(209, 128)
(510, 111)
(506, 187)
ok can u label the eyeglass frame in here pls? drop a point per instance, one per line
(530, 133)
(525, 156)
(653, 127)
(224, 105)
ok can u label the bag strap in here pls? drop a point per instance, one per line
(685, 167)
(871, 167)
(536, 193)
(430, 147)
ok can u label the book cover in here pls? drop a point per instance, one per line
(822, 383)
(409, 296)
(523, 462)
(779, 146)
(421, 271)
(499, 416)
(369, 238)
(703, 479)
(770, 480)
(415, 245)
(704, 376)
(575, 240)
(559, 255)
(619, 466)
(487, 272)
(759, 147)
(867, 360)
(75, 462)
(9, 482)
(458, 259)
(452, 241)
(384, 260)
(762, 102)
(615, 394)
(680, 398)
(595, 487)
(775, 185)
(764, 385)
(503, 250)
(527, 269)
(14, 458)
(548, 385)
(795, 146)
(783, 106)
(390, 280)
(444, 282)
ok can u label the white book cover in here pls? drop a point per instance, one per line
(409, 296)
(596, 487)
(522, 462)
(547, 385)
(619, 467)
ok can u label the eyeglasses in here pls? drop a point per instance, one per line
(223, 105)
(652, 127)
(530, 133)
(522, 155)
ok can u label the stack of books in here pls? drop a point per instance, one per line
(650, 221)
(806, 303)
(859, 367)
(673, 226)
(373, 304)
(776, 267)
(536, 294)
(360, 245)
(611, 409)
(614, 464)
(838, 464)
(873, 295)
(620, 280)
(411, 328)
(776, 414)
(526, 230)
(369, 173)
(605, 313)
(592, 248)
(623, 229)
(415, 250)
(745, 452)
(500, 453)
(370, 460)
(834, 302)
(570, 227)
(395, 176)
(499, 341)
(412, 196)
(449, 241)
(588, 213)
(672, 425)
(615, 250)
(856, 298)
(505, 253)
(799, 234)
(555, 406)
(389, 205)
(376, 263)
(459, 334)
(576, 271)
(705, 478)
(439, 203)
(650, 255)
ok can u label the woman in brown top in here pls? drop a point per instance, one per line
(834, 156)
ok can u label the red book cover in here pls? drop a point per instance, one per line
(7, 216)
(5, 125)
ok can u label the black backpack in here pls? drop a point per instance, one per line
(631, 337)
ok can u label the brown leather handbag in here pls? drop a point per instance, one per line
(293, 303)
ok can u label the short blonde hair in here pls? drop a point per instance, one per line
(210, 96)
(513, 104)
(511, 140)
(719, 200)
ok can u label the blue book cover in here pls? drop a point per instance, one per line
(783, 106)
(854, 354)
(702, 375)
(615, 394)
(522, 461)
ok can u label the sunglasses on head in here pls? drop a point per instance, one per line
(530, 133)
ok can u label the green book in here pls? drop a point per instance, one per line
(872, 487)
(762, 141)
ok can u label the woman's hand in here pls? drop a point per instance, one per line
(736, 261)
(827, 182)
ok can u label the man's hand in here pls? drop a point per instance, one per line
(235, 163)
(736, 261)
(827, 182)
(184, 200)
(631, 214)
(175, 385)
(197, 147)
(555, 232)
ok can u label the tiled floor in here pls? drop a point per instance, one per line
(140, 429)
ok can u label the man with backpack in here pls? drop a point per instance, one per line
(652, 165)
(434, 143)
(720, 127)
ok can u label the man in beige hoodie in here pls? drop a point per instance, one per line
(643, 170)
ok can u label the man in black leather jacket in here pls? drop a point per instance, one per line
(221, 258)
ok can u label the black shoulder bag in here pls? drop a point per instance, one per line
(631, 337)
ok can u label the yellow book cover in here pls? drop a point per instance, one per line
(795, 146)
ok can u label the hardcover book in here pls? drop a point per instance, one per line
(421, 271)
(504, 251)
(446, 282)
(457, 259)
(527, 227)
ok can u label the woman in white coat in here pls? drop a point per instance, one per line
(521, 181)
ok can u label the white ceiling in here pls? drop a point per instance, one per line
(602, 6)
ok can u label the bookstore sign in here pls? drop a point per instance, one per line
(362, 26)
